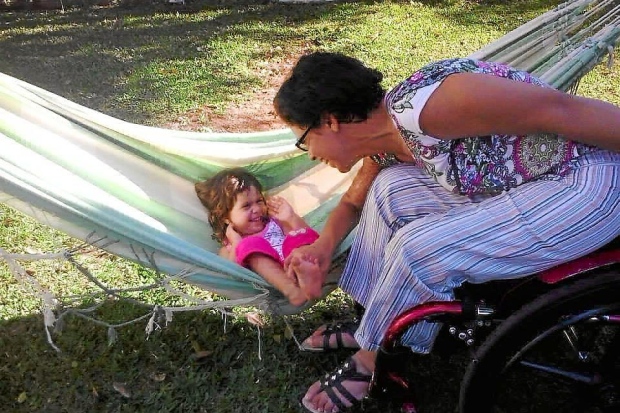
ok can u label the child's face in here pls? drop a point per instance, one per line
(247, 215)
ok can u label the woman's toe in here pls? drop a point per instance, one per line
(316, 339)
(312, 392)
(313, 405)
(323, 403)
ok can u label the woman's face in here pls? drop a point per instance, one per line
(330, 145)
(248, 213)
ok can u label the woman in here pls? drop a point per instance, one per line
(472, 171)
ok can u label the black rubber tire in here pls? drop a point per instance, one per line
(490, 365)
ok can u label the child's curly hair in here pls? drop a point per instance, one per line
(219, 193)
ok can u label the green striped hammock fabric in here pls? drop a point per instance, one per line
(128, 188)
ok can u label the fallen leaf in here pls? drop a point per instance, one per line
(199, 355)
(120, 387)
(158, 376)
(255, 319)
(22, 397)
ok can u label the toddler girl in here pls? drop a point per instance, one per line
(257, 233)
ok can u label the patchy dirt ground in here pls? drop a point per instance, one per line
(253, 114)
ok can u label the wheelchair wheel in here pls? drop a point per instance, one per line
(559, 353)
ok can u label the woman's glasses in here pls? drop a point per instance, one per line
(301, 142)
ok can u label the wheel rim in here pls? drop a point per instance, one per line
(567, 367)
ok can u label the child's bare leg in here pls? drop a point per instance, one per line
(274, 274)
(308, 275)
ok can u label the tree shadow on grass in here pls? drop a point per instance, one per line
(114, 59)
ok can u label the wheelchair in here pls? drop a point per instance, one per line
(554, 336)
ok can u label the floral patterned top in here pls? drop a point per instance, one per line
(476, 165)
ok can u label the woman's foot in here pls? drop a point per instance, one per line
(332, 337)
(343, 387)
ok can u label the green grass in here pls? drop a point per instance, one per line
(151, 63)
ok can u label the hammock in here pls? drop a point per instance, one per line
(128, 189)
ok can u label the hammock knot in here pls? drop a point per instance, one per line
(66, 254)
(152, 324)
(112, 335)
(168, 313)
(610, 60)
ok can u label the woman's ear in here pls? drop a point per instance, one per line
(332, 122)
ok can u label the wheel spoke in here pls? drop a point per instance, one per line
(592, 378)
(572, 338)
(560, 326)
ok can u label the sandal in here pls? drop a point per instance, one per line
(337, 329)
(347, 372)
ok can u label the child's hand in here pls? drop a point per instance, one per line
(280, 209)
(233, 236)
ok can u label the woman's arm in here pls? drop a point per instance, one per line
(340, 222)
(346, 214)
(473, 104)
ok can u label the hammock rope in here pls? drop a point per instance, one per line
(127, 189)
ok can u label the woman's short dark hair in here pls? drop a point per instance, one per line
(328, 83)
(219, 193)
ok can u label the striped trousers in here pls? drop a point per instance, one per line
(416, 241)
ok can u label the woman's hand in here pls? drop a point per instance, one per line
(310, 282)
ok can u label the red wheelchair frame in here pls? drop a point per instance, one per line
(503, 330)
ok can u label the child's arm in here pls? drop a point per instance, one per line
(265, 266)
(281, 210)
(274, 274)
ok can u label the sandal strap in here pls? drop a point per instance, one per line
(339, 342)
(347, 372)
(337, 330)
(345, 393)
(336, 400)
(326, 335)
